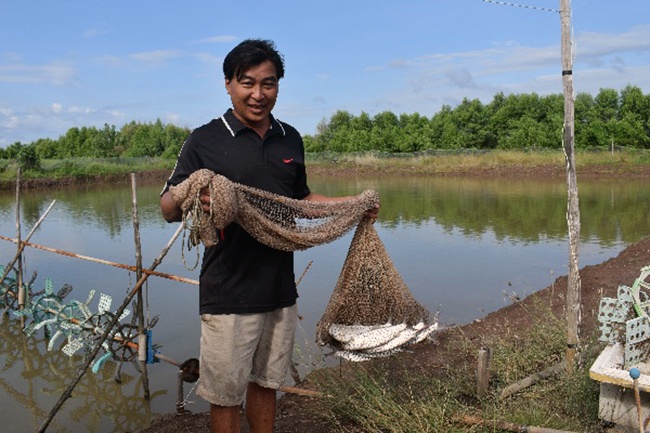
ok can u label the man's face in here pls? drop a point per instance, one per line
(254, 94)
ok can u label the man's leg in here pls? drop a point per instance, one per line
(224, 419)
(260, 408)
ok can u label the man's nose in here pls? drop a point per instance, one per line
(257, 92)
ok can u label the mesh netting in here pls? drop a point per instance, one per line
(369, 290)
(371, 312)
(276, 221)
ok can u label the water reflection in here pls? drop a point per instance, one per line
(522, 209)
(44, 376)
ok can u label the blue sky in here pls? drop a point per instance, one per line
(87, 63)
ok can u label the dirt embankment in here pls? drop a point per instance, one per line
(331, 169)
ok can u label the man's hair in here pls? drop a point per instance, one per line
(249, 53)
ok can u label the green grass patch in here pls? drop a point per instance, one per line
(83, 167)
(377, 398)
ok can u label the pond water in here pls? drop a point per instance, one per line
(464, 247)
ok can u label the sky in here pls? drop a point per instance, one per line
(73, 63)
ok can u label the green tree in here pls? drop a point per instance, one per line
(46, 148)
(12, 151)
(633, 118)
(104, 142)
(28, 158)
(173, 138)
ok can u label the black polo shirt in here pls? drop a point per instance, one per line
(239, 274)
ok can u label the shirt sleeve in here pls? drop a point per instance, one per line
(187, 163)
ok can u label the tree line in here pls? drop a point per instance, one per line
(516, 121)
(135, 139)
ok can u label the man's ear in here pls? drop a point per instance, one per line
(227, 83)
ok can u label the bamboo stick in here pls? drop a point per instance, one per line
(504, 425)
(102, 261)
(19, 277)
(530, 380)
(139, 314)
(573, 296)
(66, 394)
(21, 244)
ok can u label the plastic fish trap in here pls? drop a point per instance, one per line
(626, 319)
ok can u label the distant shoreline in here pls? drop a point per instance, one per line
(397, 167)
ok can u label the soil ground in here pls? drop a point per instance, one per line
(299, 413)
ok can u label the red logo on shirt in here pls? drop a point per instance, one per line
(287, 161)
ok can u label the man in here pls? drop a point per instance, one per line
(247, 290)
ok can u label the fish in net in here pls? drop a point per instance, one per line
(371, 312)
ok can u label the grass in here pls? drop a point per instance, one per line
(378, 399)
(429, 162)
(83, 167)
(440, 162)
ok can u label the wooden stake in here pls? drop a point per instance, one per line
(483, 371)
(504, 425)
(19, 277)
(573, 302)
(21, 244)
(102, 261)
(139, 314)
(531, 380)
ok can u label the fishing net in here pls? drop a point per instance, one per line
(279, 222)
(371, 312)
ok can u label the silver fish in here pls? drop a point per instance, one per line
(374, 337)
(345, 333)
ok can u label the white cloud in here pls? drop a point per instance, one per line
(217, 39)
(80, 110)
(112, 61)
(156, 56)
(593, 44)
(8, 119)
(208, 58)
(172, 118)
(57, 73)
(94, 32)
(56, 107)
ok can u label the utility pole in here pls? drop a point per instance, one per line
(573, 302)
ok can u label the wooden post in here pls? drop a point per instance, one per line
(180, 399)
(19, 278)
(483, 371)
(573, 303)
(139, 314)
(21, 244)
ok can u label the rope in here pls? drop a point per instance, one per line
(522, 6)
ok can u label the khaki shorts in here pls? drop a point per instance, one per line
(240, 348)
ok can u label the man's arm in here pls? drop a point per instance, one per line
(169, 209)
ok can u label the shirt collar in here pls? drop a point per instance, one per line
(235, 126)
